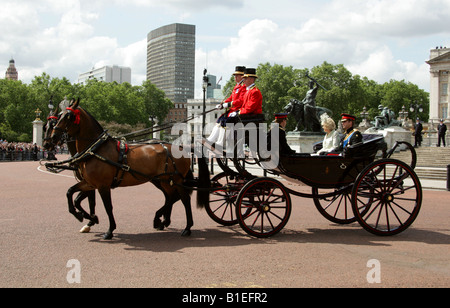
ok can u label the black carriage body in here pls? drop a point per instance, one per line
(322, 171)
(332, 171)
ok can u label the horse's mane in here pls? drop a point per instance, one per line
(93, 119)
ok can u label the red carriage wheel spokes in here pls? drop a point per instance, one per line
(263, 207)
(396, 197)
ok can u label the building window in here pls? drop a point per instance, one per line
(444, 112)
(444, 89)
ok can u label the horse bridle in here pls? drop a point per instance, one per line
(52, 121)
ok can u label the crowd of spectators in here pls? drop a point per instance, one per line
(17, 151)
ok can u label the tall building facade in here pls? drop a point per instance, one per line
(171, 61)
(11, 72)
(215, 89)
(440, 78)
(115, 73)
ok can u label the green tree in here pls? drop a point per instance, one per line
(16, 110)
(397, 94)
(156, 103)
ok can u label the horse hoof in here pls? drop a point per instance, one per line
(186, 233)
(158, 225)
(85, 229)
(108, 236)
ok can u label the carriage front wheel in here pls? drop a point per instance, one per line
(263, 207)
(386, 197)
(221, 206)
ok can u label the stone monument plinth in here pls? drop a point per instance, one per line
(303, 142)
(392, 134)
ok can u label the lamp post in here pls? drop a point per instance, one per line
(50, 104)
(364, 114)
(204, 86)
(417, 108)
(403, 113)
(51, 154)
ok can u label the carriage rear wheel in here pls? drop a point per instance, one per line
(395, 195)
(222, 203)
(263, 207)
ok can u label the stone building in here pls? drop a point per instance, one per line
(439, 91)
(171, 61)
(11, 72)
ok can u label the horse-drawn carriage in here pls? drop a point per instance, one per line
(382, 194)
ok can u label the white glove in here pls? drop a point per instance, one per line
(219, 107)
(225, 105)
(233, 114)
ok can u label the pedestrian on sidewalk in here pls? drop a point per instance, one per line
(442, 129)
(418, 127)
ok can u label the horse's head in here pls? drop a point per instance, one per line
(68, 122)
(288, 108)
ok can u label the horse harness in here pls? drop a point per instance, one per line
(122, 164)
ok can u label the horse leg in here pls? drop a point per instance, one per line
(186, 199)
(72, 210)
(165, 211)
(106, 197)
(93, 219)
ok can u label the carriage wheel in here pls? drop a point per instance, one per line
(395, 195)
(336, 208)
(263, 207)
(410, 159)
(221, 207)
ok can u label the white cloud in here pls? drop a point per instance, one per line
(369, 37)
(354, 33)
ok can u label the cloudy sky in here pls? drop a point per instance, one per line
(380, 39)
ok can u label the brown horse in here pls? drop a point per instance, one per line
(98, 166)
(52, 119)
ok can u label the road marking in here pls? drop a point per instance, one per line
(51, 173)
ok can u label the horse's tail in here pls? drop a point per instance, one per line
(188, 181)
(204, 183)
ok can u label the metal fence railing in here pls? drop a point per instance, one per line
(19, 155)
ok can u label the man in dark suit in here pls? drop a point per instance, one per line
(285, 149)
(442, 129)
(418, 133)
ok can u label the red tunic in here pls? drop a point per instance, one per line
(237, 97)
(252, 101)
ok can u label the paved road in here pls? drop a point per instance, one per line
(39, 238)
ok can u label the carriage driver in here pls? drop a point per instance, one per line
(352, 136)
(231, 104)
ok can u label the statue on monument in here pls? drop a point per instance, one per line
(305, 112)
(386, 118)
